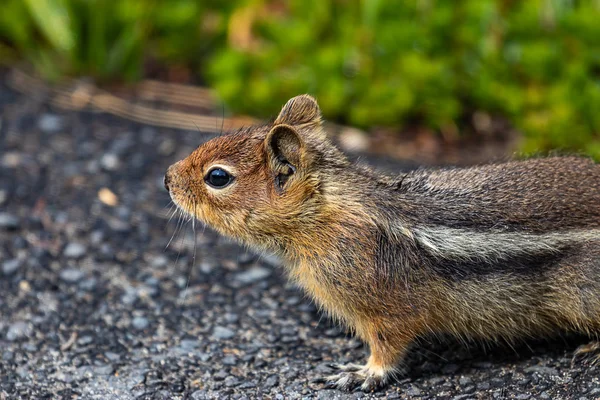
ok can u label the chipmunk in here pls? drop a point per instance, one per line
(493, 252)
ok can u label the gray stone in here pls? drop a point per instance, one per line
(272, 381)
(220, 375)
(71, 275)
(463, 397)
(10, 266)
(50, 123)
(18, 330)
(88, 284)
(247, 385)
(199, 395)
(85, 340)
(253, 275)
(232, 318)
(229, 360)
(413, 391)
(159, 262)
(8, 221)
(231, 381)
(464, 380)
(74, 250)
(140, 323)
(542, 370)
(112, 356)
(188, 344)
(109, 162)
(105, 369)
(221, 332)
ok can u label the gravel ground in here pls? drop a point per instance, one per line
(92, 306)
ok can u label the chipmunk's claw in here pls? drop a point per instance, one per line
(588, 353)
(356, 377)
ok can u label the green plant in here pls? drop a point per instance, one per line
(370, 62)
(387, 63)
(107, 39)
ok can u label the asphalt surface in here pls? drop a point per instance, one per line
(95, 305)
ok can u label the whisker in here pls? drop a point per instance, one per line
(193, 263)
(172, 212)
(182, 239)
(179, 220)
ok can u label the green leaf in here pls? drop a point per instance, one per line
(53, 20)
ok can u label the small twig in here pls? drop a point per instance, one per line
(66, 345)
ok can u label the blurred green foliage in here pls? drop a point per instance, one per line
(109, 39)
(370, 62)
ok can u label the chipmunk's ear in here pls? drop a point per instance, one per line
(286, 152)
(285, 145)
(300, 110)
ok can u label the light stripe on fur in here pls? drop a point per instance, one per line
(454, 243)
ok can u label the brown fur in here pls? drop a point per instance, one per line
(497, 252)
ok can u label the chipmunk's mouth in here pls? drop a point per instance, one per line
(184, 205)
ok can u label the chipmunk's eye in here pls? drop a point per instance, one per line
(218, 178)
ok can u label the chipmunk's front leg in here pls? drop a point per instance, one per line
(387, 352)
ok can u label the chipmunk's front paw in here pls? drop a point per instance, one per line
(353, 376)
(588, 353)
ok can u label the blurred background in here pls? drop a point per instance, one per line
(522, 74)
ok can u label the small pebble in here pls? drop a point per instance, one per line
(220, 375)
(229, 360)
(231, 381)
(232, 318)
(108, 197)
(114, 357)
(8, 221)
(199, 395)
(18, 330)
(71, 275)
(271, 381)
(109, 162)
(220, 332)
(464, 380)
(140, 323)
(252, 275)
(85, 340)
(159, 262)
(50, 123)
(88, 284)
(413, 391)
(74, 250)
(9, 267)
(105, 369)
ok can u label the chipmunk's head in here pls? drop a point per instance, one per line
(260, 184)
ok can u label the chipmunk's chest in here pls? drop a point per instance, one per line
(331, 297)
